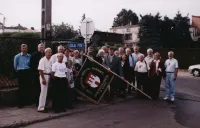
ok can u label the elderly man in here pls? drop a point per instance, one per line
(90, 53)
(135, 55)
(171, 66)
(121, 51)
(114, 64)
(116, 53)
(106, 50)
(131, 64)
(45, 71)
(149, 57)
(34, 61)
(54, 58)
(22, 67)
(142, 70)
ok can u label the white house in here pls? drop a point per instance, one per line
(195, 28)
(18, 30)
(130, 33)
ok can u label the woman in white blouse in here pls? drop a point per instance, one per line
(60, 84)
(77, 59)
(142, 75)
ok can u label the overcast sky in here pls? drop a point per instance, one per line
(28, 12)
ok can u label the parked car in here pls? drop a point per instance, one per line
(194, 70)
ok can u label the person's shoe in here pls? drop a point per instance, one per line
(172, 99)
(43, 111)
(166, 98)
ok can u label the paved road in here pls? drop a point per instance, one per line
(141, 113)
(188, 84)
(135, 113)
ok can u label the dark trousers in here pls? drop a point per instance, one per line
(110, 94)
(132, 79)
(35, 87)
(142, 83)
(59, 93)
(24, 90)
(71, 97)
(155, 86)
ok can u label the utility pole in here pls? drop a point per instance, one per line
(46, 20)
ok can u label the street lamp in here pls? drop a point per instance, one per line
(3, 25)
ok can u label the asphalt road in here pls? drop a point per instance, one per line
(141, 113)
(187, 84)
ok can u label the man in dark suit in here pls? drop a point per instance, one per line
(34, 62)
(113, 63)
(90, 53)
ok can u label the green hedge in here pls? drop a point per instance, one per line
(10, 46)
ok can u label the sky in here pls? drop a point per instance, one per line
(28, 12)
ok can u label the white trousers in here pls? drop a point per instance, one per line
(43, 93)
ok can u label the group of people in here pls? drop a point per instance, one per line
(143, 72)
(37, 72)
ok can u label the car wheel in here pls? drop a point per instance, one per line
(196, 72)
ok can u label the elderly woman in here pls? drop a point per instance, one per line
(60, 84)
(142, 75)
(77, 59)
(157, 72)
(100, 56)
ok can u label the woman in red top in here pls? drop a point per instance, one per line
(157, 71)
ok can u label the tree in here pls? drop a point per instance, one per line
(125, 17)
(167, 37)
(63, 31)
(150, 30)
(181, 31)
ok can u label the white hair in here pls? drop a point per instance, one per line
(141, 55)
(41, 44)
(103, 47)
(127, 49)
(121, 48)
(47, 49)
(76, 51)
(100, 51)
(135, 47)
(60, 47)
(59, 54)
(149, 49)
(170, 52)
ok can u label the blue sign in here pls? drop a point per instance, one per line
(75, 45)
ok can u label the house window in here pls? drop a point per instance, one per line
(128, 36)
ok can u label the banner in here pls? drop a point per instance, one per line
(93, 80)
